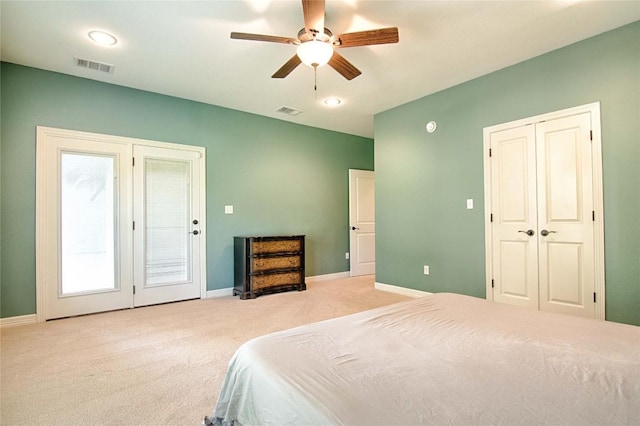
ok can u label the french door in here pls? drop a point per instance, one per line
(167, 225)
(118, 223)
(541, 204)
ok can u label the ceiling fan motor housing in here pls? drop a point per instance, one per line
(304, 36)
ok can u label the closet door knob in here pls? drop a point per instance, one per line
(544, 232)
(528, 232)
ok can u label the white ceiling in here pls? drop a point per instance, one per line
(183, 49)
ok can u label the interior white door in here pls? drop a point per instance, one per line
(514, 217)
(83, 219)
(168, 232)
(362, 219)
(565, 223)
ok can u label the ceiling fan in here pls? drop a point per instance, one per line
(316, 44)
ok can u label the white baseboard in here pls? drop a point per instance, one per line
(328, 277)
(20, 320)
(316, 278)
(223, 292)
(401, 290)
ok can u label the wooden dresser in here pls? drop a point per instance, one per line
(268, 265)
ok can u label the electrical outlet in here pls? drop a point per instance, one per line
(346, 255)
(470, 203)
(426, 269)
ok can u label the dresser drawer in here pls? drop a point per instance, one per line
(259, 264)
(276, 246)
(261, 282)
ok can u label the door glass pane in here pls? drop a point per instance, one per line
(167, 221)
(87, 223)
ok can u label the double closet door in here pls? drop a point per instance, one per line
(118, 223)
(541, 236)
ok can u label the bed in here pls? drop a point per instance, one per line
(440, 359)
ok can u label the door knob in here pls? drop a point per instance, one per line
(544, 232)
(196, 232)
(195, 221)
(528, 232)
(353, 228)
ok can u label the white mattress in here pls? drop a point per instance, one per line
(440, 359)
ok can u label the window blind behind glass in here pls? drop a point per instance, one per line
(167, 217)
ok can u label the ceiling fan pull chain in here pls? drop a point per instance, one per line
(315, 82)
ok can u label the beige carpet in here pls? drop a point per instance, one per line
(160, 365)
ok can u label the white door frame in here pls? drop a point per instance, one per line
(598, 199)
(42, 133)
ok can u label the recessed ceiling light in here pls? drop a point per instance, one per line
(332, 101)
(102, 38)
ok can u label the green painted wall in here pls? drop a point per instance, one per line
(282, 178)
(423, 180)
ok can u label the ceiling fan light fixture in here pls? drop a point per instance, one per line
(314, 53)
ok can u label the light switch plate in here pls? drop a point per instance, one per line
(426, 269)
(228, 209)
(470, 203)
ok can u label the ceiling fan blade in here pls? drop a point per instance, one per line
(344, 67)
(366, 38)
(263, 37)
(286, 69)
(313, 11)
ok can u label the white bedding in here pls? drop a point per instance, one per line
(440, 359)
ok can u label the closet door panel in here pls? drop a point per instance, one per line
(513, 197)
(565, 224)
(562, 271)
(514, 280)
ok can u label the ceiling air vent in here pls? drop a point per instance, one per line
(94, 65)
(289, 111)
